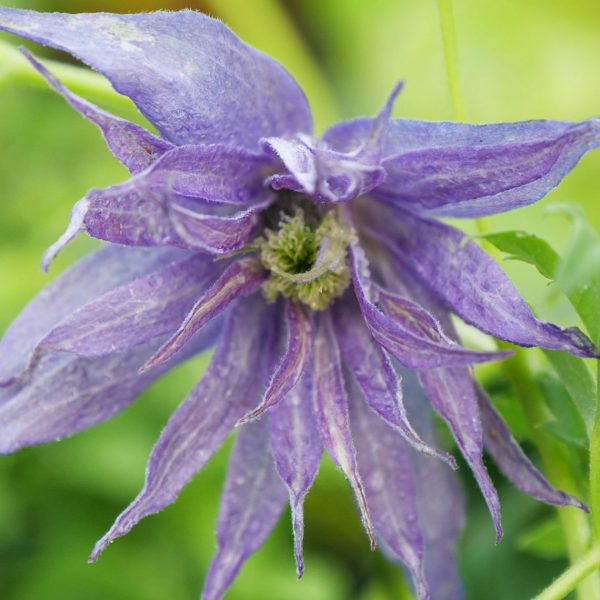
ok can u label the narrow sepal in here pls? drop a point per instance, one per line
(331, 413)
(240, 279)
(297, 354)
(297, 449)
(378, 381)
(252, 501)
(198, 427)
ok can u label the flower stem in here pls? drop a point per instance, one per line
(572, 576)
(451, 56)
(595, 462)
(15, 68)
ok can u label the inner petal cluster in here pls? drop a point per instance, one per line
(306, 255)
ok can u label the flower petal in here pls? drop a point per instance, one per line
(297, 449)
(94, 275)
(134, 313)
(297, 354)
(201, 423)
(331, 413)
(188, 73)
(469, 280)
(320, 173)
(135, 147)
(69, 393)
(415, 347)
(452, 393)
(391, 489)
(375, 376)
(158, 206)
(513, 462)
(460, 170)
(251, 504)
(441, 524)
(240, 279)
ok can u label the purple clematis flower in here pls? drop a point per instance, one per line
(334, 281)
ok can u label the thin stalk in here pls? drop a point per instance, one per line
(15, 68)
(595, 463)
(451, 57)
(573, 576)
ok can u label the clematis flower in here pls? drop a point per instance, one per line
(318, 267)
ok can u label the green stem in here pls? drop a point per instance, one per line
(15, 68)
(573, 576)
(595, 463)
(451, 56)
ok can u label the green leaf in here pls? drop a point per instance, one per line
(526, 247)
(579, 383)
(568, 424)
(544, 539)
(578, 274)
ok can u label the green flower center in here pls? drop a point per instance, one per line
(307, 258)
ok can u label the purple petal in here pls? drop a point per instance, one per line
(321, 173)
(135, 147)
(93, 276)
(187, 73)
(513, 462)
(441, 523)
(134, 313)
(240, 279)
(297, 354)
(251, 504)
(459, 170)
(157, 207)
(375, 376)
(215, 233)
(469, 280)
(297, 450)
(391, 490)
(199, 426)
(68, 393)
(331, 413)
(414, 346)
(452, 393)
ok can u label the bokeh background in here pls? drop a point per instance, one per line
(519, 60)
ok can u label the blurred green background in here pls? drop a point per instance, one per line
(519, 60)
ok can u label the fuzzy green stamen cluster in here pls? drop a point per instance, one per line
(298, 247)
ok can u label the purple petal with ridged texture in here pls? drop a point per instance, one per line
(240, 279)
(452, 393)
(513, 462)
(252, 501)
(441, 523)
(297, 449)
(460, 170)
(68, 393)
(375, 376)
(218, 234)
(189, 74)
(296, 357)
(330, 404)
(157, 207)
(94, 275)
(321, 173)
(135, 147)
(469, 280)
(391, 489)
(200, 424)
(134, 313)
(414, 346)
